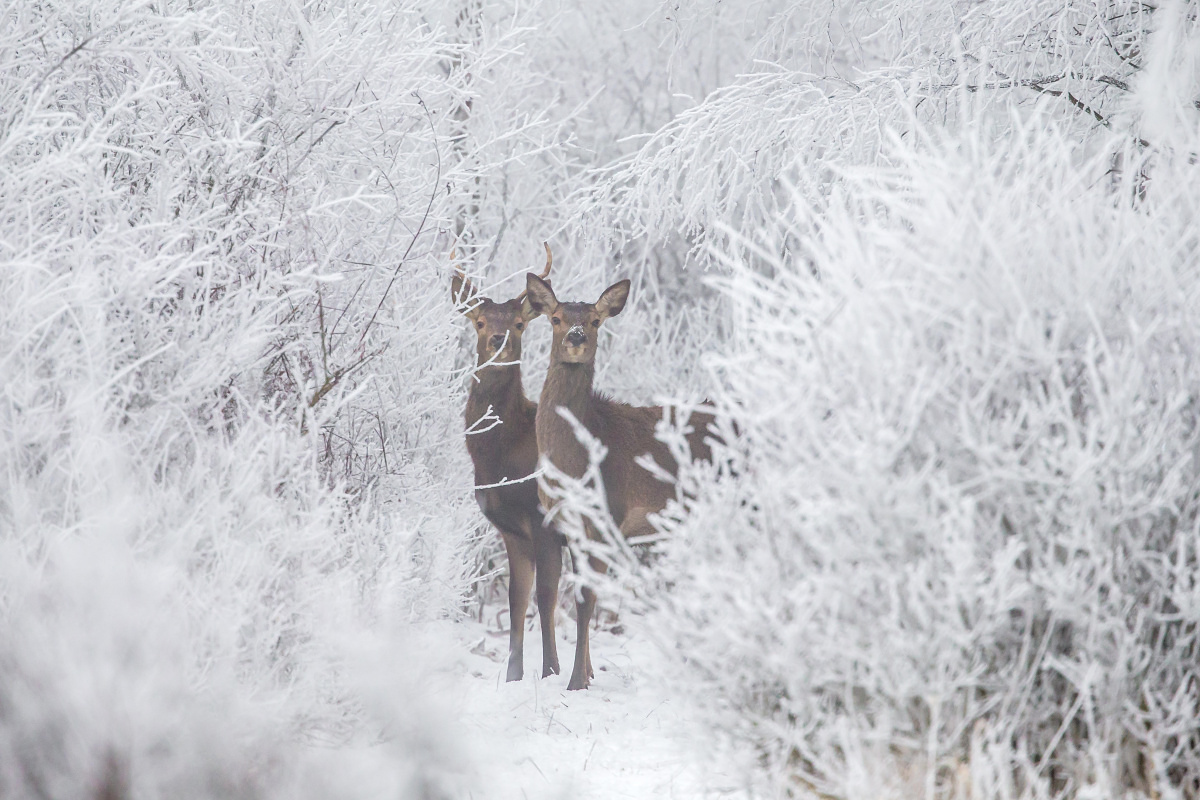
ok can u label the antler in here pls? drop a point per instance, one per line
(545, 272)
(549, 261)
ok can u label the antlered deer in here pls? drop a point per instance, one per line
(503, 447)
(627, 431)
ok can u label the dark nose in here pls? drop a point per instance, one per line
(576, 337)
(496, 341)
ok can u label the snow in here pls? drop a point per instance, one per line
(619, 739)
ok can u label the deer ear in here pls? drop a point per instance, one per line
(538, 295)
(463, 293)
(613, 299)
(527, 312)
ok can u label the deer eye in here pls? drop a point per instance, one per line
(555, 320)
(520, 326)
(479, 324)
(595, 323)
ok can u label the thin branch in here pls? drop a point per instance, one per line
(505, 481)
(333, 380)
(1039, 85)
(425, 218)
(1075, 101)
(312, 147)
(37, 88)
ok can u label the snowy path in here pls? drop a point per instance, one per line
(617, 740)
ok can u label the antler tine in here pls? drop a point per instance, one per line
(545, 272)
(549, 261)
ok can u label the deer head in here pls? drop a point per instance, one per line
(574, 325)
(498, 326)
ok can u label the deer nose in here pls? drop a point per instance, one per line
(576, 336)
(497, 341)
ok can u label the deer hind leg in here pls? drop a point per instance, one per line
(520, 582)
(601, 567)
(582, 673)
(549, 572)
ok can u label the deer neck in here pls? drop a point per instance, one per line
(569, 386)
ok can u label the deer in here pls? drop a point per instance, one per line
(503, 448)
(628, 432)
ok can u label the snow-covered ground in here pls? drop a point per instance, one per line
(619, 739)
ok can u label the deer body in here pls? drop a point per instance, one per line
(626, 431)
(506, 454)
(503, 447)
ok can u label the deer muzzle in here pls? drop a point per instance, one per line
(576, 337)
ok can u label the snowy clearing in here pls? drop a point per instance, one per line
(618, 740)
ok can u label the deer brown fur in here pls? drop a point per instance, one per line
(503, 447)
(626, 431)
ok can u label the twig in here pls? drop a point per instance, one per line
(506, 481)
(1039, 85)
(312, 147)
(332, 380)
(1075, 101)
(37, 88)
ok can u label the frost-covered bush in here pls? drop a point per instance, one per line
(956, 552)
(207, 559)
(960, 557)
(823, 90)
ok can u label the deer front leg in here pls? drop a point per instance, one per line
(549, 572)
(520, 582)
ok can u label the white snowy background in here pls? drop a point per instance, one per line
(936, 264)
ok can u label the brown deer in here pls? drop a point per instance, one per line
(501, 442)
(626, 431)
